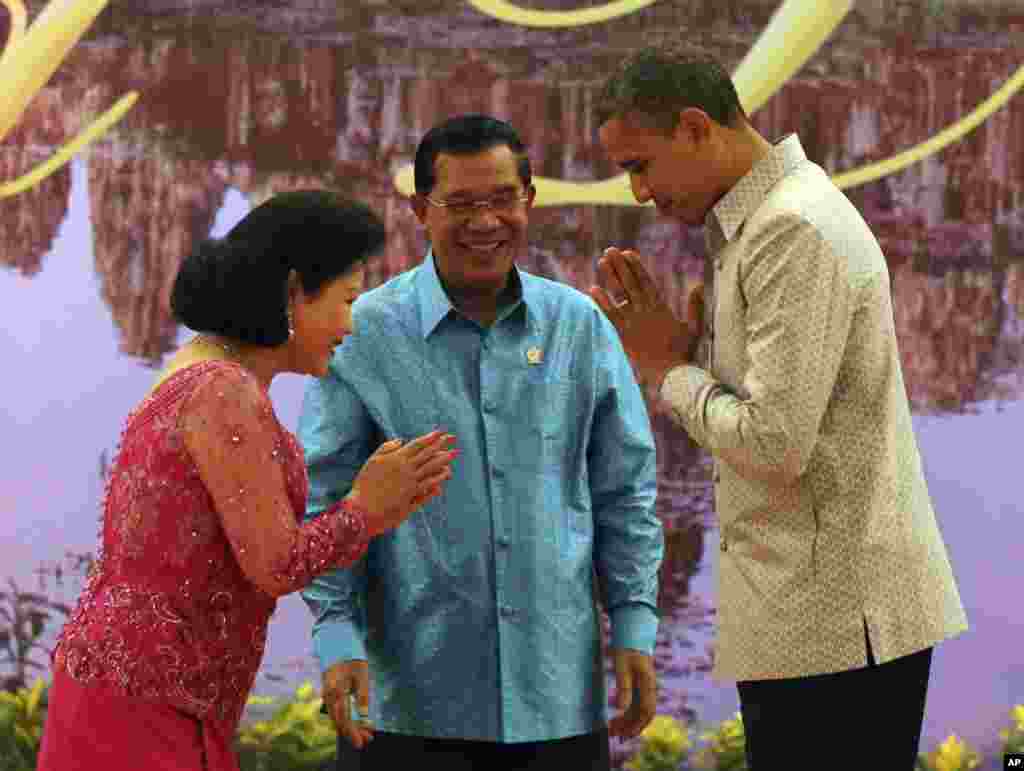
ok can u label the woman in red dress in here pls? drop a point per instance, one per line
(203, 514)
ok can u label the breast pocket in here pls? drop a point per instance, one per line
(543, 417)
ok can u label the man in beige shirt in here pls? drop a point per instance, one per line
(834, 582)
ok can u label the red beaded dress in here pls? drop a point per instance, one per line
(201, 532)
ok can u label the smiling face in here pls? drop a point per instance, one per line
(684, 174)
(475, 251)
(321, 321)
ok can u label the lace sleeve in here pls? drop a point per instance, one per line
(235, 440)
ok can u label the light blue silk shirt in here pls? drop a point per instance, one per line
(477, 615)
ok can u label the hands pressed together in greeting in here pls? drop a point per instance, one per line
(400, 478)
(654, 339)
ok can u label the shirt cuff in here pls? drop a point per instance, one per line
(634, 626)
(685, 390)
(339, 641)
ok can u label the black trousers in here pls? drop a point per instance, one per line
(397, 752)
(860, 718)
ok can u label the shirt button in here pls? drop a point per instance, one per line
(503, 541)
(488, 406)
(507, 612)
(717, 476)
(497, 471)
(724, 545)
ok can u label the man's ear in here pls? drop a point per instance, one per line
(694, 126)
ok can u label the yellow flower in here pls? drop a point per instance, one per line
(954, 755)
(1017, 713)
(666, 732)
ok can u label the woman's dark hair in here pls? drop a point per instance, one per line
(466, 135)
(237, 286)
(658, 82)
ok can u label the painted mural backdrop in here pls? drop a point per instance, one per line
(184, 115)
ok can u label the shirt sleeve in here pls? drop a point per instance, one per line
(800, 303)
(621, 462)
(230, 430)
(338, 436)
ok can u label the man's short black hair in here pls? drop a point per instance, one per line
(655, 84)
(466, 135)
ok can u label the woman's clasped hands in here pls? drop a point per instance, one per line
(399, 478)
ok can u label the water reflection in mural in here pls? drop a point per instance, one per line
(237, 105)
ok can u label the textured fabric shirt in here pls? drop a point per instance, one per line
(825, 517)
(477, 614)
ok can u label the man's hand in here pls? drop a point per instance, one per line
(651, 335)
(341, 681)
(634, 674)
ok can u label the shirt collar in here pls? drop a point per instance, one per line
(434, 303)
(729, 214)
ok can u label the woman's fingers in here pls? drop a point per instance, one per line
(428, 459)
(441, 439)
(437, 463)
(432, 488)
(423, 443)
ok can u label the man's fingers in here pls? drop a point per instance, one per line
(623, 686)
(623, 279)
(648, 707)
(640, 278)
(627, 267)
(362, 730)
(600, 296)
(339, 714)
(354, 733)
(604, 302)
(363, 692)
(624, 726)
(606, 273)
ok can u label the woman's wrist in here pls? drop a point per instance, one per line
(354, 503)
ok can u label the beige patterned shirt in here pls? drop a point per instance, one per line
(826, 523)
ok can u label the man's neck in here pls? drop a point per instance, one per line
(747, 149)
(750, 151)
(482, 308)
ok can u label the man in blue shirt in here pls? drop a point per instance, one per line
(476, 618)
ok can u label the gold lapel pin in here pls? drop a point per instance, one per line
(534, 356)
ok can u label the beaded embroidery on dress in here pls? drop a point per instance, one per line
(201, 531)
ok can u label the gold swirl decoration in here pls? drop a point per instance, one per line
(29, 59)
(799, 28)
(510, 13)
(947, 136)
